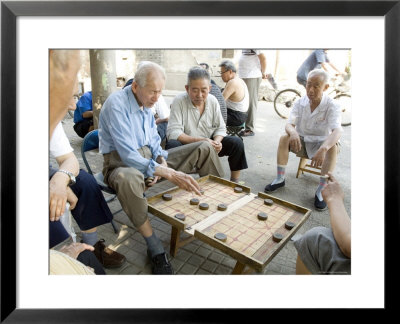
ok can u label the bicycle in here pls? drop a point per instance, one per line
(285, 99)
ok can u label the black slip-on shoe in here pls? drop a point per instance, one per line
(160, 264)
(319, 204)
(273, 187)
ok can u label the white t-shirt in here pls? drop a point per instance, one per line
(315, 127)
(249, 65)
(161, 108)
(59, 143)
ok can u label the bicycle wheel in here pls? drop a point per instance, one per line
(284, 101)
(344, 100)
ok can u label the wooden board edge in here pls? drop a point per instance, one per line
(172, 221)
(229, 183)
(251, 262)
(296, 207)
(281, 244)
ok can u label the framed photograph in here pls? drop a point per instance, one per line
(30, 28)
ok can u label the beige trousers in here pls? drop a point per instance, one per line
(253, 85)
(128, 182)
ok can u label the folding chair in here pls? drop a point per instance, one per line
(235, 130)
(91, 142)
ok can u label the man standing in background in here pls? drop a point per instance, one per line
(252, 67)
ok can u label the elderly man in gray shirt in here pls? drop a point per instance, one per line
(196, 116)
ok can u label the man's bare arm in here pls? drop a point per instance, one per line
(88, 114)
(332, 139)
(340, 221)
(263, 62)
(186, 139)
(59, 183)
(229, 90)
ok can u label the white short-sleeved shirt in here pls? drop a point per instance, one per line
(315, 127)
(161, 108)
(59, 143)
(249, 64)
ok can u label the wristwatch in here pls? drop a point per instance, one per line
(72, 179)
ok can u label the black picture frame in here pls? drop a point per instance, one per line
(10, 10)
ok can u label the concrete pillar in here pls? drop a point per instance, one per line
(104, 79)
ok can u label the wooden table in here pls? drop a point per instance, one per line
(249, 240)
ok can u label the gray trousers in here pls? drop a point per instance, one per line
(320, 253)
(128, 182)
(253, 85)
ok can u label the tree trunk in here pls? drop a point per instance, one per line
(104, 79)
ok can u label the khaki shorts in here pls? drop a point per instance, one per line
(303, 153)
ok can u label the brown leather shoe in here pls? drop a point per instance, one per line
(107, 257)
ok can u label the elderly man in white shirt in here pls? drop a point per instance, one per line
(313, 131)
(196, 116)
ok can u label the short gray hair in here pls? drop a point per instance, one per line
(196, 73)
(228, 65)
(323, 75)
(144, 69)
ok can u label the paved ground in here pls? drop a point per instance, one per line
(200, 258)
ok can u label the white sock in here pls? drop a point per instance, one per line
(322, 185)
(280, 174)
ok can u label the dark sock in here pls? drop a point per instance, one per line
(154, 245)
(89, 238)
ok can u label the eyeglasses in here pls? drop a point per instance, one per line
(220, 73)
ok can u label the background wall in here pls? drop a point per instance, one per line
(281, 63)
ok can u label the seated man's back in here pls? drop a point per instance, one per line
(235, 94)
(239, 99)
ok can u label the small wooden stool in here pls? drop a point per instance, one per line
(306, 167)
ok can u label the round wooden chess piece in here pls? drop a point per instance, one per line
(194, 201)
(180, 216)
(262, 216)
(167, 197)
(289, 225)
(277, 237)
(222, 207)
(220, 236)
(203, 206)
(268, 202)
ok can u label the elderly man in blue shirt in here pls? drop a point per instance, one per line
(83, 115)
(131, 148)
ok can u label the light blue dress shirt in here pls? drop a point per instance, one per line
(124, 127)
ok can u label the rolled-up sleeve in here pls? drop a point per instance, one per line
(175, 123)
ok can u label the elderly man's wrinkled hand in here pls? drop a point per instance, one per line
(217, 146)
(318, 158)
(74, 249)
(332, 190)
(71, 198)
(58, 199)
(295, 143)
(186, 182)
